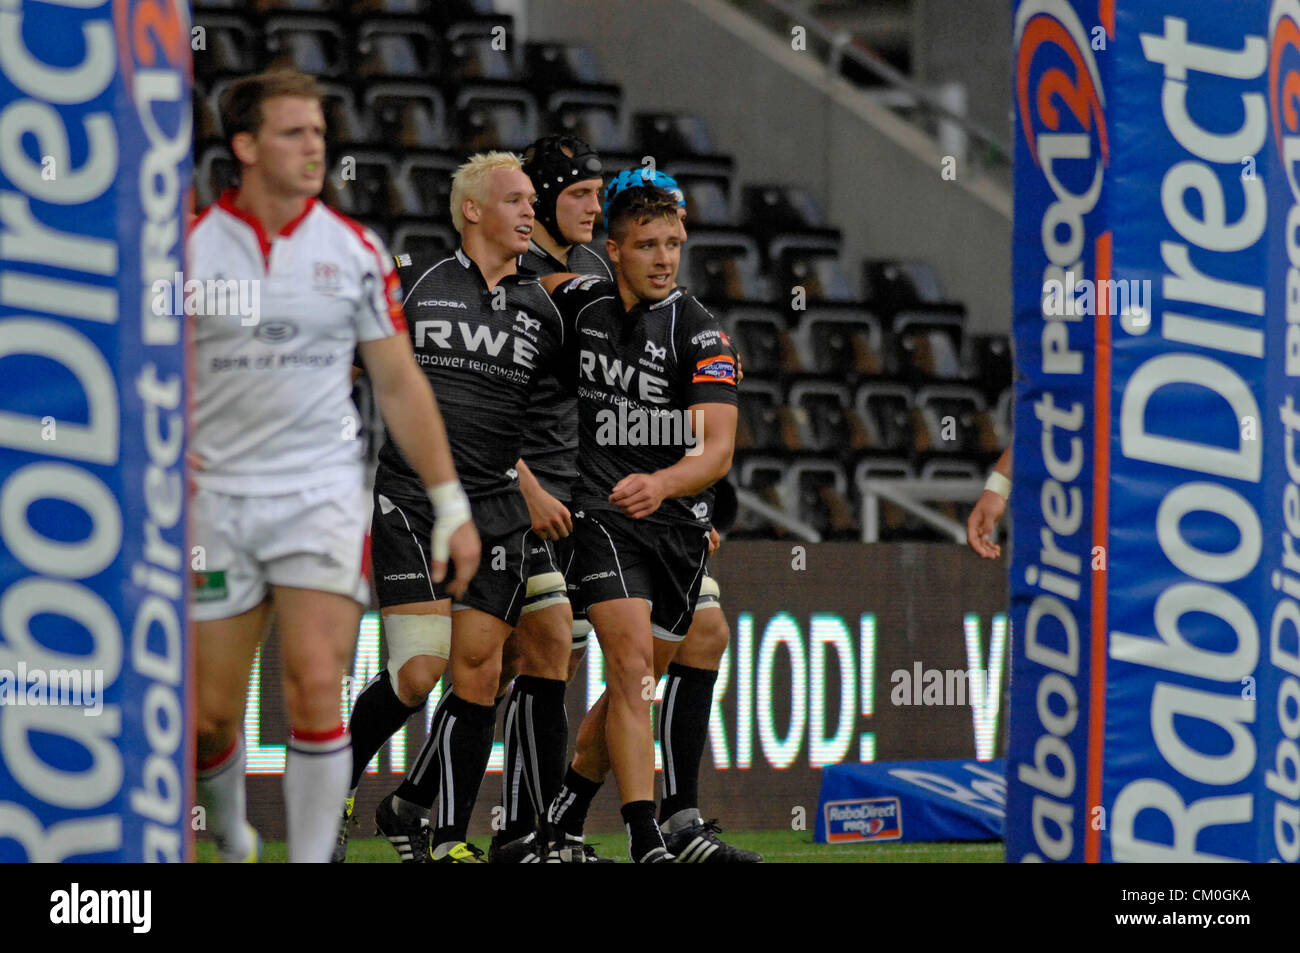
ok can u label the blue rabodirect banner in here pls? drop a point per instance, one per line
(95, 760)
(911, 801)
(1063, 152)
(1161, 722)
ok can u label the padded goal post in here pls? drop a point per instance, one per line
(95, 725)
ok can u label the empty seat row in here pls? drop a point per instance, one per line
(879, 416)
(828, 496)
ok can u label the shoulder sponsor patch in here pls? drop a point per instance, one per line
(719, 369)
(582, 283)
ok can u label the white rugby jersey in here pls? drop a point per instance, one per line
(273, 409)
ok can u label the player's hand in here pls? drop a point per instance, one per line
(551, 518)
(715, 541)
(740, 369)
(637, 495)
(983, 521)
(453, 536)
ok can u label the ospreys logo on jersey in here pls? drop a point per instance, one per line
(530, 325)
(656, 353)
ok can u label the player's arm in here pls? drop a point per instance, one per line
(551, 518)
(640, 494)
(411, 412)
(989, 509)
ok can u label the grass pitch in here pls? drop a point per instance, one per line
(783, 847)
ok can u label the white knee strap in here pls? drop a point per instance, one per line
(412, 635)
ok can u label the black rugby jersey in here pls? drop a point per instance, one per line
(638, 373)
(483, 363)
(550, 445)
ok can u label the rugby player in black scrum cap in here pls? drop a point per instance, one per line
(482, 331)
(566, 175)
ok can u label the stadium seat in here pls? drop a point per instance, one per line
(779, 208)
(894, 521)
(951, 470)
(826, 421)
(396, 49)
(928, 344)
(590, 114)
(231, 45)
(706, 183)
(495, 117)
(343, 122)
(820, 491)
(892, 285)
(315, 45)
(840, 343)
(550, 66)
(1003, 416)
(358, 9)
(758, 425)
(706, 201)
(810, 262)
(425, 241)
(325, 7)
(481, 49)
(762, 341)
(722, 265)
(202, 7)
(765, 477)
(954, 420)
(990, 363)
(407, 114)
(362, 187)
(207, 123)
(215, 170)
(422, 185)
(668, 136)
(888, 413)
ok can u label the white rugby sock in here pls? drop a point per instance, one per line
(316, 779)
(220, 791)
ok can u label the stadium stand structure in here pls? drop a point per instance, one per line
(862, 379)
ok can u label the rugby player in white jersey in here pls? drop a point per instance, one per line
(279, 517)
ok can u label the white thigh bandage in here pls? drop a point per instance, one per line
(412, 635)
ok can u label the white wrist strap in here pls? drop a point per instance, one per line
(451, 511)
(998, 484)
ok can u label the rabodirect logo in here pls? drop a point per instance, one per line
(1045, 23)
(864, 819)
(1284, 83)
(154, 34)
